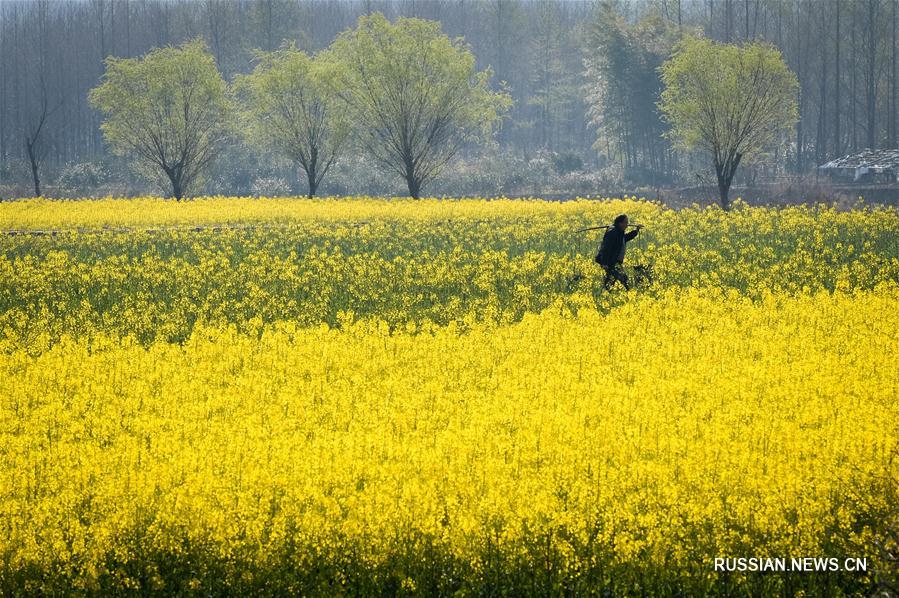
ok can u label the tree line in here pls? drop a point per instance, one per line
(843, 53)
(583, 76)
(404, 92)
(53, 54)
(410, 97)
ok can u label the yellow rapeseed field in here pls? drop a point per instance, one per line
(378, 397)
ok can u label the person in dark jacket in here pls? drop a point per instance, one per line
(611, 252)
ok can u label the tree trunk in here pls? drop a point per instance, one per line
(871, 81)
(414, 186)
(725, 174)
(413, 180)
(891, 121)
(821, 135)
(746, 7)
(35, 174)
(724, 192)
(728, 20)
(313, 177)
(853, 88)
(313, 184)
(837, 139)
(801, 98)
(175, 180)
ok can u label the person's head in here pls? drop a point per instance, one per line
(621, 221)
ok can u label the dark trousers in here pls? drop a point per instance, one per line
(613, 273)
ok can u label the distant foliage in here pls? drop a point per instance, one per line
(841, 50)
(623, 85)
(84, 176)
(270, 187)
(494, 173)
(566, 163)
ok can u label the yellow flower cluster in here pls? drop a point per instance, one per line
(309, 261)
(585, 442)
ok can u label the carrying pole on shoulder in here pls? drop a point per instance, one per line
(583, 230)
(607, 226)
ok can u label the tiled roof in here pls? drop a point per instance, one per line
(883, 159)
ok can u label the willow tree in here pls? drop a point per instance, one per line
(291, 103)
(736, 102)
(168, 111)
(415, 94)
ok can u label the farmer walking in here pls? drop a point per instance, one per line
(611, 252)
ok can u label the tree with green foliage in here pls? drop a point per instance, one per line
(622, 61)
(416, 95)
(169, 111)
(292, 103)
(735, 102)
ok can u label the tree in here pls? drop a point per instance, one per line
(554, 91)
(292, 103)
(872, 75)
(530, 45)
(622, 63)
(35, 148)
(415, 93)
(735, 102)
(35, 120)
(169, 111)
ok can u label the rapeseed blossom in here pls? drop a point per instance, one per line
(317, 405)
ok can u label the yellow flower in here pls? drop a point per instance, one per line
(371, 396)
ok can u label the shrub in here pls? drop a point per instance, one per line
(270, 187)
(83, 177)
(567, 162)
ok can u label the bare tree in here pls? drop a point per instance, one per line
(837, 86)
(35, 145)
(35, 125)
(871, 74)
